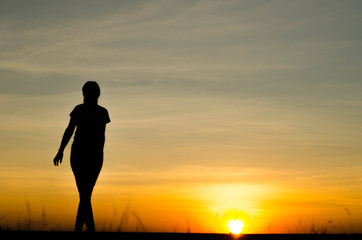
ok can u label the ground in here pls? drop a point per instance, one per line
(174, 236)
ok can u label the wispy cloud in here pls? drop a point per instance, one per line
(197, 40)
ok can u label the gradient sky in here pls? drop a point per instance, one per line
(219, 109)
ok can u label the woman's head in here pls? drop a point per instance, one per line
(91, 92)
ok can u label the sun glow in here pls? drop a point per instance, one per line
(235, 226)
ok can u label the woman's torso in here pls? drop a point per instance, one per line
(91, 121)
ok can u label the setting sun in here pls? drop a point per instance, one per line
(235, 226)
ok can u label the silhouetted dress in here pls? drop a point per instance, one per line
(87, 155)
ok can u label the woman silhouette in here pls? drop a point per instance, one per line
(86, 157)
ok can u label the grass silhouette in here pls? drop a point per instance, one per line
(129, 214)
(300, 228)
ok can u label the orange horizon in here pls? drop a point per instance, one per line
(186, 207)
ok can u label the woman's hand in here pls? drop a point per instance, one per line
(66, 137)
(58, 158)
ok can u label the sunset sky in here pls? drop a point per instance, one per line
(219, 110)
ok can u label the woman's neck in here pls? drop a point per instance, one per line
(90, 101)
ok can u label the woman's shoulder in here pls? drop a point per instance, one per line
(79, 106)
(77, 109)
(84, 108)
(102, 108)
(104, 113)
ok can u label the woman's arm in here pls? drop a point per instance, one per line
(66, 137)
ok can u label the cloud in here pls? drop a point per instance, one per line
(122, 41)
(252, 78)
(163, 35)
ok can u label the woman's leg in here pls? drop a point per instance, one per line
(85, 205)
(84, 214)
(85, 176)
